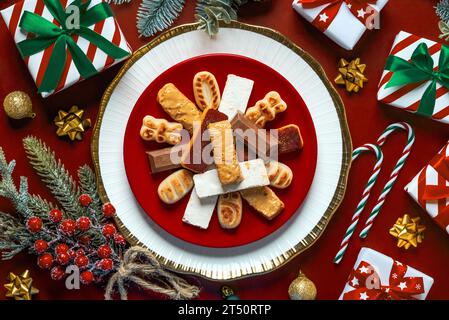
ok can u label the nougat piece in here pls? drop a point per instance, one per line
(225, 156)
(264, 201)
(289, 139)
(178, 106)
(192, 156)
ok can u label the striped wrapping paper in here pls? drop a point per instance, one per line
(38, 63)
(438, 209)
(408, 97)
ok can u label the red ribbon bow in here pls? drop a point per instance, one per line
(440, 192)
(367, 285)
(361, 9)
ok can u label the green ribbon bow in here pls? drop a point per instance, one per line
(47, 33)
(420, 69)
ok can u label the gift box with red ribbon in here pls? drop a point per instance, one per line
(416, 77)
(65, 41)
(430, 188)
(379, 277)
(344, 21)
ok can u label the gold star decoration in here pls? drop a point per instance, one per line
(71, 123)
(351, 75)
(408, 231)
(20, 287)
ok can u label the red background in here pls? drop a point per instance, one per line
(366, 117)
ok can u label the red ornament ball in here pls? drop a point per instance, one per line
(68, 227)
(34, 224)
(104, 251)
(83, 223)
(79, 252)
(40, 245)
(119, 239)
(63, 258)
(85, 200)
(71, 253)
(57, 273)
(81, 261)
(108, 210)
(84, 239)
(61, 248)
(55, 215)
(108, 230)
(45, 261)
(105, 264)
(86, 277)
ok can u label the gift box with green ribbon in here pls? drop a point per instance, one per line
(65, 41)
(416, 77)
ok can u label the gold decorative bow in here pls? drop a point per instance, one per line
(351, 75)
(71, 123)
(20, 287)
(408, 231)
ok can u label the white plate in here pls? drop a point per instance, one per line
(326, 109)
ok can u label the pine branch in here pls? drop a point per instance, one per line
(40, 206)
(88, 183)
(14, 237)
(442, 10)
(54, 175)
(210, 12)
(157, 15)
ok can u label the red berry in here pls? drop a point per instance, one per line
(68, 227)
(34, 224)
(84, 239)
(55, 215)
(61, 248)
(105, 264)
(57, 273)
(79, 252)
(45, 261)
(81, 261)
(119, 239)
(86, 277)
(63, 258)
(108, 230)
(40, 245)
(104, 251)
(83, 223)
(85, 200)
(108, 210)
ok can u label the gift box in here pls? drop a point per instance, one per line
(378, 277)
(344, 21)
(430, 188)
(416, 77)
(65, 41)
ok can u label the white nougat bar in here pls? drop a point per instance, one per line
(235, 95)
(199, 212)
(254, 175)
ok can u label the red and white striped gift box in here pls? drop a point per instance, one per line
(38, 63)
(409, 96)
(430, 188)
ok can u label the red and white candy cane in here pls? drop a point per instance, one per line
(366, 193)
(394, 174)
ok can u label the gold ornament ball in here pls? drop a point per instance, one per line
(302, 288)
(18, 105)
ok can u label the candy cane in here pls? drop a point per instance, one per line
(394, 174)
(366, 193)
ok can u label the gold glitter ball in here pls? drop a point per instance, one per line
(302, 288)
(17, 105)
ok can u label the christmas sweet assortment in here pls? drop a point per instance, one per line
(222, 159)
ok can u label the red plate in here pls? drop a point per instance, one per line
(144, 185)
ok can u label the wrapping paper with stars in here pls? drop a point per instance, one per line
(378, 277)
(344, 22)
